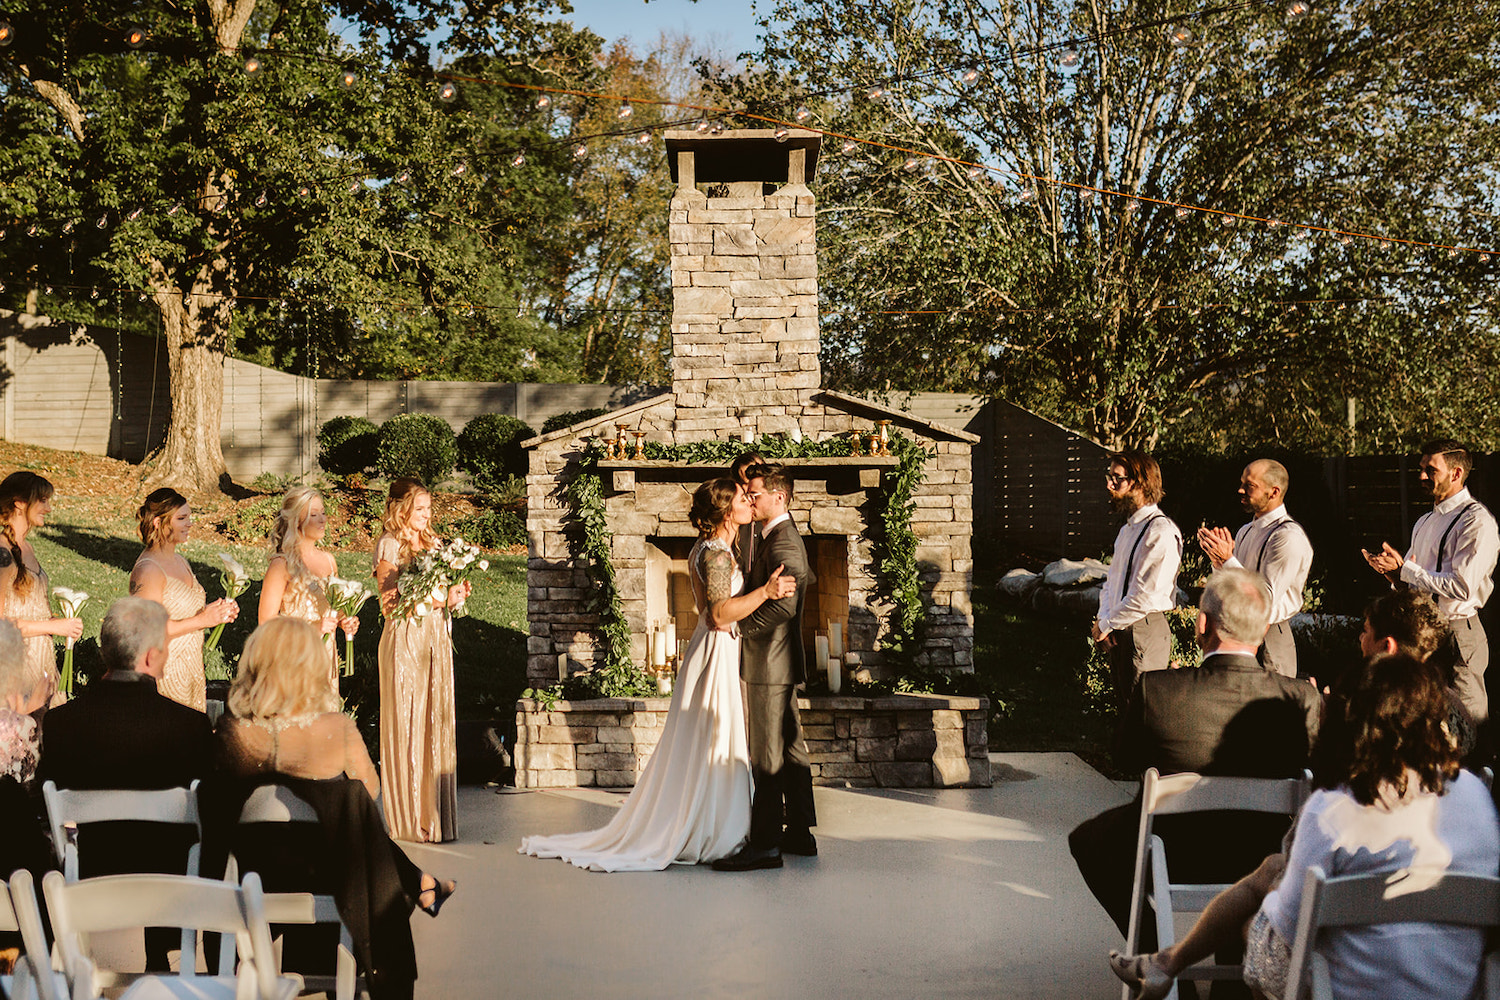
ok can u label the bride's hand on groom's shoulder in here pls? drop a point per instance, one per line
(779, 586)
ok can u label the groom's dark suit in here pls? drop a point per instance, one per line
(772, 664)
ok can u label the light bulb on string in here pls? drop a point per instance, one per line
(848, 146)
(355, 185)
(304, 191)
(545, 101)
(1296, 10)
(448, 92)
(141, 297)
(261, 199)
(48, 290)
(912, 164)
(1453, 251)
(581, 151)
(781, 133)
(4, 233)
(801, 115)
(1132, 204)
(1026, 196)
(459, 169)
(975, 172)
(969, 76)
(518, 160)
(176, 207)
(32, 229)
(68, 227)
(348, 78)
(1386, 244)
(717, 128)
(93, 293)
(701, 125)
(135, 36)
(1345, 239)
(1182, 211)
(644, 139)
(1086, 196)
(1180, 36)
(102, 221)
(1226, 221)
(135, 213)
(1069, 59)
(876, 93)
(254, 66)
(625, 111)
(403, 177)
(1274, 223)
(7, 33)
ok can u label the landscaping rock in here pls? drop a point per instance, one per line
(1019, 583)
(1074, 572)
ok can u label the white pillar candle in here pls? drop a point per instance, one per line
(658, 649)
(671, 643)
(836, 639)
(562, 666)
(797, 434)
(835, 675)
(747, 435)
(820, 643)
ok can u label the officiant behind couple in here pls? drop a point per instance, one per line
(693, 802)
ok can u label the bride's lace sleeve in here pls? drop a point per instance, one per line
(718, 572)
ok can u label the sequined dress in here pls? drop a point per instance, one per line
(306, 598)
(418, 749)
(183, 680)
(41, 650)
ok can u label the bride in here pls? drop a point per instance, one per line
(692, 802)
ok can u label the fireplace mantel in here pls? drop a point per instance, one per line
(623, 474)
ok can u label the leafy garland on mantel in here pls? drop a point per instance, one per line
(895, 548)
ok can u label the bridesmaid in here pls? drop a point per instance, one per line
(161, 575)
(297, 578)
(418, 755)
(25, 502)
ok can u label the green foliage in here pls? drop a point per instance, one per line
(219, 664)
(490, 529)
(251, 523)
(585, 496)
(348, 445)
(417, 444)
(558, 421)
(546, 697)
(489, 449)
(896, 552)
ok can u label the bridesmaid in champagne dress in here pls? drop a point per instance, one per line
(297, 578)
(25, 502)
(418, 749)
(161, 575)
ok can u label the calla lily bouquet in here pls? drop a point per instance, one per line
(234, 579)
(347, 597)
(425, 581)
(70, 603)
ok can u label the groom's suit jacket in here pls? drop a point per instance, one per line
(771, 636)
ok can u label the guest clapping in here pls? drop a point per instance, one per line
(161, 575)
(25, 502)
(296, 583)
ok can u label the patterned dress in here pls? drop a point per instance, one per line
(306, 597)
(183, 679)
(418, 749)
(41, 650)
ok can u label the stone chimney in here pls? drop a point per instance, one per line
(744, 280)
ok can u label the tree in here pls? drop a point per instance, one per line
(1064, 278)
(244, 151)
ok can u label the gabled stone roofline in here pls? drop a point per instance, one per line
(854, 404)
(563, 432)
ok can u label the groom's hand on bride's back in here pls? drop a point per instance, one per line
(779, 586)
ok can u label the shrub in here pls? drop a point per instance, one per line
(561, 420)
(251, 522)
(489, 449)
(418, 444)
(347, 445)
(491, 529)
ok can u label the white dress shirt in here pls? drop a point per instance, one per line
(1277, 548)
(1153, 574)
(1464, 580)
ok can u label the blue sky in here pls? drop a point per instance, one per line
(726, 25)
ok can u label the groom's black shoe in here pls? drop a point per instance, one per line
(802, 843)
(748, 859)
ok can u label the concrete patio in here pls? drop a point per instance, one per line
(916, 893)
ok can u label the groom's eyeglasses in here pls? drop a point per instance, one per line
(752, 497)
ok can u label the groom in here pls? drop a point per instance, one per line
(772, 664)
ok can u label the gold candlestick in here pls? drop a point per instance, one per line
(640, 447)
(885, 436)
(854, 443)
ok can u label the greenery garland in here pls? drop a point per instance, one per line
(895, 548)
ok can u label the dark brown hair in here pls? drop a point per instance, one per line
(20, 489)
(739, 468)
(1383, 720)
(1142, 470)
(1410, 618)
(159, 506)
(1453, 452)
(711, 503)
(775, 477)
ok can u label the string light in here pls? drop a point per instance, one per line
(581, 151)
(518, 160)
(1086, 196)
(1026, 196)
(1296, 10)
(969, 76)
(304, 191)
(848, 146)
(876, 93)
(7, 34)
(253, 67)
(348, 78)
(261, 199)
(1181, 36)
(135, 213)
(975, 172)
(403, 177)
(1068, 59)
(781, 133)
(644, 139)
(102, 222)
(701, 125)
(448, 92)
(68, 227)
(625, 111)
(912, 164)
(543, 102)
(32, 229)
(176, 207)
(1181, 211)
(135, 36)
(801, 115)
(1132, 204)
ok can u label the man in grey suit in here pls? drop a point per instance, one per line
(772, 665)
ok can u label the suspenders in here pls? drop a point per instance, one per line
(1260, 557)
(1443, 542)
(1130, 563)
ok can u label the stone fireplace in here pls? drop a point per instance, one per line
(745, 366)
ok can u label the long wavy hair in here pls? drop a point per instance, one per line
(1384, 722)
(396, 522)
(283, 671)
(21, 489)
(154, 514)
(286, 535)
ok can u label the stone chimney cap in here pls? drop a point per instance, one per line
(750, 154)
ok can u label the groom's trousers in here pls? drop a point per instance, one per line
(779, 764)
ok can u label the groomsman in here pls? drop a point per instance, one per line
(1274, 546)
(1452, 557)
(1142, 580)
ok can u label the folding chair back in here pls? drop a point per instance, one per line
(1363, 900)
(69, 807)
(277, 804)
(19, 912)
(1180, 794)
(123, 902)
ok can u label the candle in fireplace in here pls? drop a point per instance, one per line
(820, 644)
(836, 639)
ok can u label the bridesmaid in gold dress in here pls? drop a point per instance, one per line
(161, 575)
(297, 578)
(25, 502)
(418, 753)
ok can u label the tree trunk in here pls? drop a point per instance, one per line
(191, 459)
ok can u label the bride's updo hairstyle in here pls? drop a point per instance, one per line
(154, 514)
(711, 503)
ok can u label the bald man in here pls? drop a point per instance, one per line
(1274, 546)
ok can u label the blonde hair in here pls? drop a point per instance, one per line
(20, 489)
(287, 535)
(283, 671)
(158, 509)
(399, 502)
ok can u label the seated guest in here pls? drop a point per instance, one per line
(283, 726)
(1391, 798)
(1408, 622)
(121, 732)
(1228, 715)
(22, 842)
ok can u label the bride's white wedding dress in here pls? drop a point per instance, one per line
(692, 803)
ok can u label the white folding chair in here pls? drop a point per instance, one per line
(67, 808)
(277, 804)
(123, 902)
(1178, 794)
(34, 976)
(1362, 900)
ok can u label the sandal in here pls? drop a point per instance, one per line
(1150, 980)
(440, 891)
